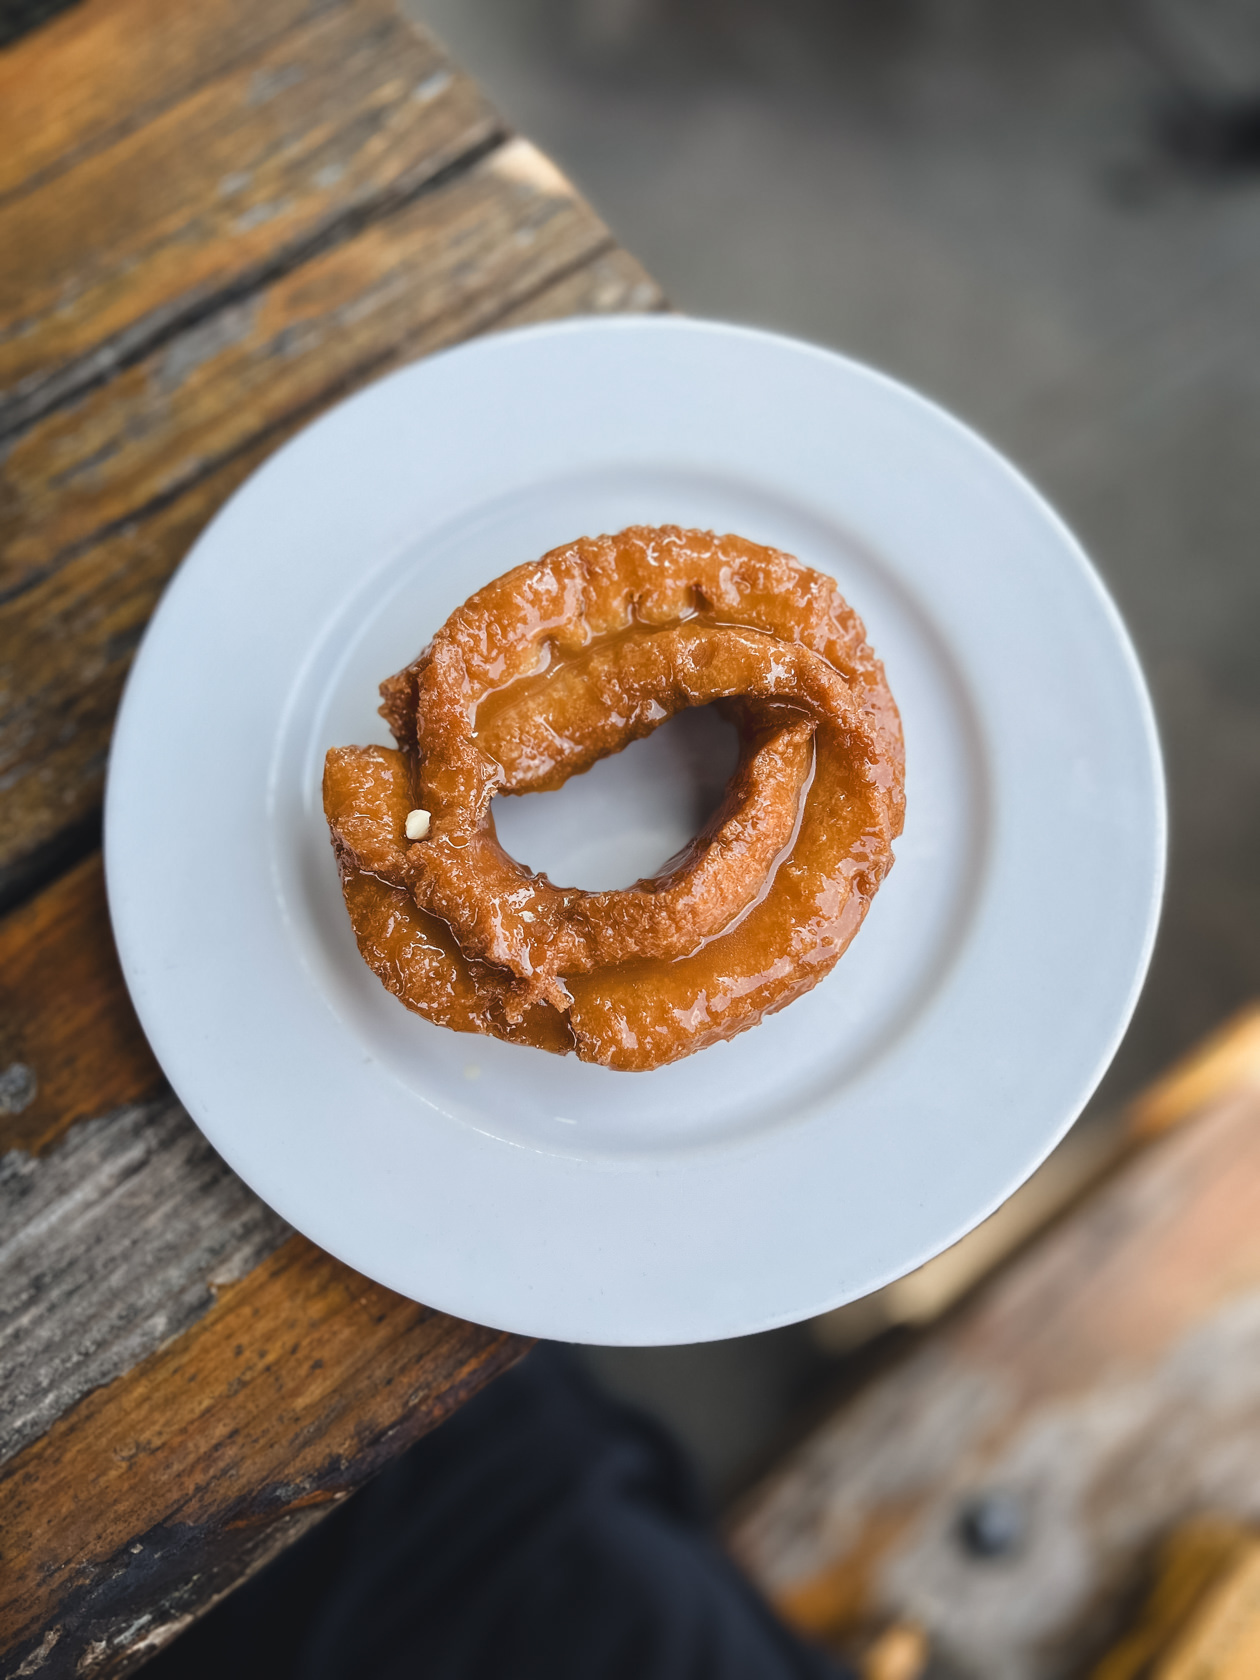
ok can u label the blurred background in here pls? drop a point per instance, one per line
(1046, 214)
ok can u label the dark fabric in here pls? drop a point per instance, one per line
(545, 1532)
(17, 16)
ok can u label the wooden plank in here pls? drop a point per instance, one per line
(1201, 1620)
(112, 1243)
(506, 243)
(430, 274)
(612, 282)
(70, 1044)
(1227, 1060)
(345, 115)
(1103, 1387)
(159, 1492)
(58, 103)
(65, 649)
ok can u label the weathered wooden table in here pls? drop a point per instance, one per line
(215, 220)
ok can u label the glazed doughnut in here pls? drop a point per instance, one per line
(557, 664)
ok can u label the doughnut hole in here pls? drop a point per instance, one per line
(627, 815)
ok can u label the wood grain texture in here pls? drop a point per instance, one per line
(58, 105)
(1108, 1382)
(111, 1245)
(611, 282)
(70, 1043)
(345, 115)
(505, 244)
(157, 1493)
(434, 272)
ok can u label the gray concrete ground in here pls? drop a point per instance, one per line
(982, 197)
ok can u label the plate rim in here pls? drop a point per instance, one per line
(487, 347)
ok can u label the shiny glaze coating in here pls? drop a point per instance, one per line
(557, 664)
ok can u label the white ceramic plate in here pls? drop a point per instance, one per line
(835, 1146)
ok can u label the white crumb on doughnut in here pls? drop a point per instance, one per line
(417, 824)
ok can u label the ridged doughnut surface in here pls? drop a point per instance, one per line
(557, 664)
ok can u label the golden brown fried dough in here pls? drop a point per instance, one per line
(558, 664)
